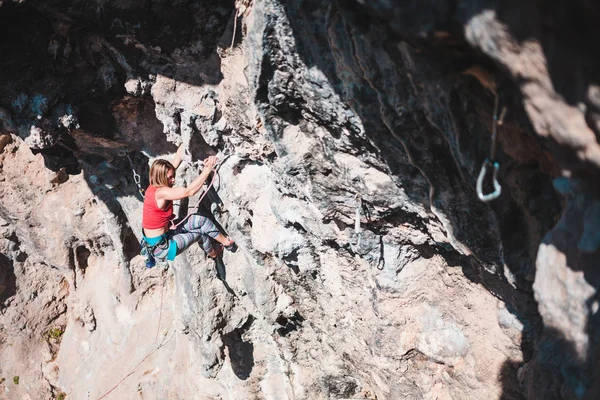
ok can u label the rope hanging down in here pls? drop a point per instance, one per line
(491, 161)
(155, 346)
(234, 28)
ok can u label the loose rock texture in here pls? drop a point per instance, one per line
(351, 135)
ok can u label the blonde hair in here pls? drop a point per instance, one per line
(158, 173)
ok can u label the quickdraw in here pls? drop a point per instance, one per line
(136, 178)
(380, 265)
(381, 261)
(491, 161)
(358, 200)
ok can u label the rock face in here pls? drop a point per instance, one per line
(351, 137)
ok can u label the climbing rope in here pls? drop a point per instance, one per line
(234, 27)
(190, 213)
(152, 351)
(162, 295)
(241, 8)
(210, 185)
(491, 161)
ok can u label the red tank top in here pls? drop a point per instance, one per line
(152, 216)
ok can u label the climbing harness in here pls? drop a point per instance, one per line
(147, 251)
(136, 178)
(491, 161)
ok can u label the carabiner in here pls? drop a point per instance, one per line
(136, 178)
(497, 188)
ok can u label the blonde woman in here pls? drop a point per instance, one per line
(161, 242)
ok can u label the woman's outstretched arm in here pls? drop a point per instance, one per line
(179, 192)
(178, 157)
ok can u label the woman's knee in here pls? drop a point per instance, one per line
(203, 225)
(185, 240)
(206, 244)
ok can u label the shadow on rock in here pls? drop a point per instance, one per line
(69, 56)
(569, 303)
(431, 126)
(508, 378)
(241, 353)
(549, 362)
(8, 280)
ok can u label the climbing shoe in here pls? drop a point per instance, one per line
(231, 246)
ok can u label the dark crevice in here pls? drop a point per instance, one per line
(266, 75)
(8, 280)
(289, 324)
(131, 246)
(240, 350)
(291, 260)
(239, 167)
(58, 157)
(82, 254)
(332, 243)
(297, 226)
(71, 258)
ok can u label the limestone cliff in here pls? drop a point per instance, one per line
(351, 136)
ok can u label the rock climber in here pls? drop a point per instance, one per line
(163, 242)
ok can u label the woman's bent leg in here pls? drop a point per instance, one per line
(198, 228)
(199, 224)
(186, 239)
